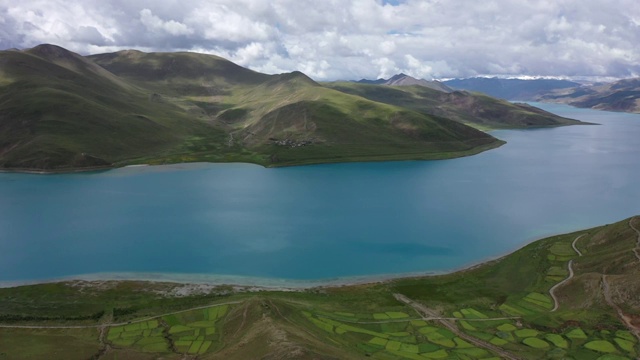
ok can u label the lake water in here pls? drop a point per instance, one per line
(323, 221)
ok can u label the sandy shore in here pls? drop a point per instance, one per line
(210, 281)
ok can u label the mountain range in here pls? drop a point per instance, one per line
(622, 95)
(61, 111)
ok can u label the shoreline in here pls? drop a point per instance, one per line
(58, 171)
(377, 158)
(226, 280)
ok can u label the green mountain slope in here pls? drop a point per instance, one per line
(60, 111)
(473, 109)
(296, 120)
(525, 305)
(290, 118)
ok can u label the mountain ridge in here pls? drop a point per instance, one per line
(403, 79)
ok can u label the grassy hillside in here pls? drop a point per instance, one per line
(61, 111)
(503, 308)
(473, 109)
(298, 121)
(289, 118)
(262, 110)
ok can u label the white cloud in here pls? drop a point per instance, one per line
(154, 23)
(334, 39)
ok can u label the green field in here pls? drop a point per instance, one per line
(192, 332)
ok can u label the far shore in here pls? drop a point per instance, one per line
(376, 158)
(57, 171)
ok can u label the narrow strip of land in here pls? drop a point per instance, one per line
(429, 314)
(636, 250)
(106, 325)
(552, 291)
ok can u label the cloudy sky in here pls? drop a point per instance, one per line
(343, 39)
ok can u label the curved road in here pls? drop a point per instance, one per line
(570, 268)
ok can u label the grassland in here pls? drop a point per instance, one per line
(500, 309)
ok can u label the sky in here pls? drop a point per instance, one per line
(350, 40)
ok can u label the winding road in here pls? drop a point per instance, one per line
(429, 314)
(552, 291)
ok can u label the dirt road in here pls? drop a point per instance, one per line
(429, 314)
(552, 291)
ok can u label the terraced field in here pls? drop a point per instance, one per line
(591, 344)
(382, 333)
(193, 332)
(378, 334)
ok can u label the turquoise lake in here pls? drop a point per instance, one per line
(321, 222)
